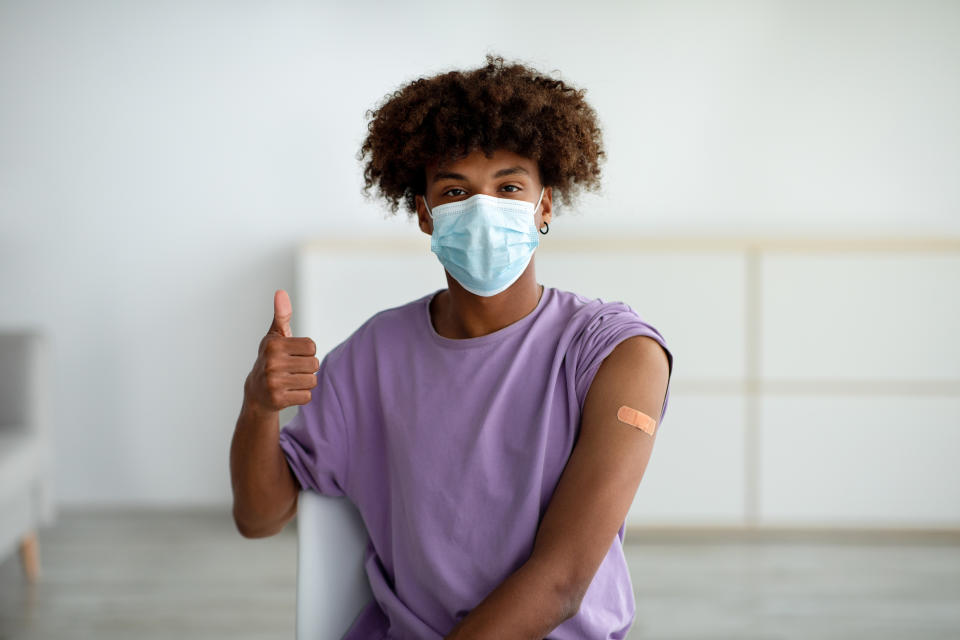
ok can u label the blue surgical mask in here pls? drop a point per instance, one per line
(484, 242)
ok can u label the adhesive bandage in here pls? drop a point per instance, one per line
(636, 419)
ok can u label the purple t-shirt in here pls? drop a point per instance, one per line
(451, 450)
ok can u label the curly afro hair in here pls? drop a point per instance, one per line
(497, 106)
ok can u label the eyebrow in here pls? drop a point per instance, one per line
(440, 175)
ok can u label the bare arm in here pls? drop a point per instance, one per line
(590, 502)
(602, 476)
(528, 605)
(265, 490)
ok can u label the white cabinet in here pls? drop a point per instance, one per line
(815, 384)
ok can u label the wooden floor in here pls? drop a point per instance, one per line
(188, 574)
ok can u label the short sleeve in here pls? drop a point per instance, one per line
(314, 441)
(613, 324)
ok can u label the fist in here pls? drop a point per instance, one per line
(286, 367)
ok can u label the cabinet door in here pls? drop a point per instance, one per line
(860, 414)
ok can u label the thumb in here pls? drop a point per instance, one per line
(282, 310)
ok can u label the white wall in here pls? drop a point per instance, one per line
(159, 163)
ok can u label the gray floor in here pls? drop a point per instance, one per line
(182, 574)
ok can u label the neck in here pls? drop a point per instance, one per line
(459, 314)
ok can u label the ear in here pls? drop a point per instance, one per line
(424, 219)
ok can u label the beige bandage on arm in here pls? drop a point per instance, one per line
(637, 419)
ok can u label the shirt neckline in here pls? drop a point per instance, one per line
(490, 338)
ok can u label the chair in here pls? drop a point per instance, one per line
(26, 448)
(332, 587)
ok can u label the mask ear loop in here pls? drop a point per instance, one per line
(430, 213)
(542, 189)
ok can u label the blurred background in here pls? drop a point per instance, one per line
(781, 186)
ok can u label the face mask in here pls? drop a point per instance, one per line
(485, 242)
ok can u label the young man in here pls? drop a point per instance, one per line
(494, 433)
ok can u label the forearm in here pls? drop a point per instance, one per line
(264, 490)
(528, 605)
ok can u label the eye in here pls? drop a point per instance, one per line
(514, 186)
(447, 192)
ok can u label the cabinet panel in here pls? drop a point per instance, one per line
(696, 471)
(340, 290)
(861, 316)
(860, 461)
(696, 300)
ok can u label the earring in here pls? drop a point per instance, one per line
(547, 226)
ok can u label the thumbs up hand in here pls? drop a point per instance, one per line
(286, 367)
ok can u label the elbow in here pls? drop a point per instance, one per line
(246, 530)
(570, 585)
(573, 598)
(249, 532)
(566, 592)
(559, 585)
(262, 527)
(257, 530)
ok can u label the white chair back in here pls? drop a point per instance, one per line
(332, 587)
